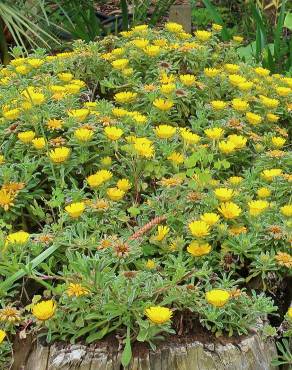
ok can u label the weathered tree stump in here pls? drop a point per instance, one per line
(251, 353)
(182, 14)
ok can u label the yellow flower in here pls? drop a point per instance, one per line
(283, 91)
(271, 174)
(238, 140)
(26, 136)
(256, 207)
(19, 237)
(199, 228)
(161, 233)
(140, 43)
(189, 137)
(72, 88)
(2, 335)
(113, 133)
(286, 210)
(263, 72)
(217, 297)
(59, 155)
(144, 147)
(124, 184)
(139, 118)
(160, 42)
(11, 114)
(237, 39)
(165, 131)
(245, 86)
(2, 159)
(118, 51)
(226, 147)
(284, 259)
(199, 249)
(6, 199)
(278, 141)
(22, 69)
(216, 27)
(91, 105)
(253, 119)
(240, 105)
(115, 194)
(158, 315)
(125, 97)
(203, 35)
(223, 194)
(166, 79)
(150, 264)
(187, 80)
(36, 98)
(79, 114)
(263, 192)
(75, 210)
(236, 80)
(35, 63)
(237, 230)
(289, 313)
(119, 112)
(65, 76)
(163, 104)
(120, 63)
(99, 178)
(218, 104)
(44, 310)
(210, 218)
(235, 180)
(268, 102)
(54, 124)
(229, 210)
(231, 68)
(173, 27)
(176, 158)
(152, 50)
(83, 134)
(214, 133)
(211, 72)
(39, 143)
(167, 88)
(272, 117)
(76, 290)
(142, 28)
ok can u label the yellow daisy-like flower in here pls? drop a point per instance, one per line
(162, 231)
(199, 229)
(263, 72)
(124, 185)
(214, 133)
(158, 315)
(236, 80)
(210, 218)
(6, 199)
(197, 249)
(150, 264)
(2, 159)
(54, 124)
(229, 210)
(163, 104)
(240, 105)
(245, 86)
(115, 194)
(120, 63)
(284, 259)
(253, 119)
(218, 104)
(256, 207)
(189, 137)
(19, 237)
(211, 72)
(79, 114)
(286, 210)
(75, 210)
(152, 50)
(44, 310)
(176, 158)
(39, 143)
(238, 39)
(35, 62)
(272, 117)
(140, 43)
(268, 102)
(217, 297)
(269, 175)
(2, 335)
(26, 137)
(289, 313)
(113, 133)
(10, 315)
(226, 147)
(144, 147)
(283, 91)
(223, 194)
(203, 35)
(65, 76)
(125, 97)
(173, 27)
(76, 290)
(59, 155)
(99, 178)
(278, 141)
(238, 140)
(120, 112)
(167, 88)
(263, 192)
(231, 68)
(216, 27)
(235, 180)
(83, 134)
(187, 80)
(165, 131)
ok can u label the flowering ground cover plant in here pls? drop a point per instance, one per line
(144, 178)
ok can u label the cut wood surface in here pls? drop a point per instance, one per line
(251, 353)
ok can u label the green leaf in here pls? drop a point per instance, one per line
(127, 352)
(217, 18)
(278, 33)
(98, 335)
(288, 21)
(134, 211)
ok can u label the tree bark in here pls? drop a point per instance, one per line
(251, 353)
